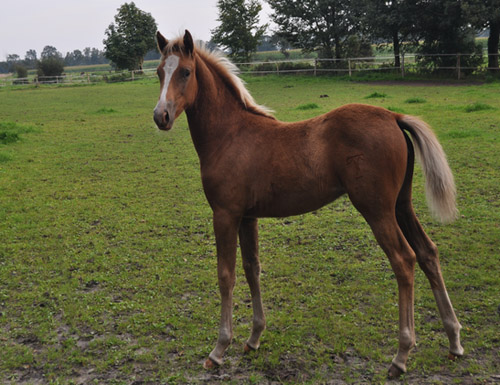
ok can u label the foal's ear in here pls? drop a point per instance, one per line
(188, 43)
(162, 42)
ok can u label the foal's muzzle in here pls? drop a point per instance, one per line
(164, 116)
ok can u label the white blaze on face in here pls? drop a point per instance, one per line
(169, 67)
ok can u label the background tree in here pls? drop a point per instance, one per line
(50, 66)
(485, 14)
(74, 58)
(392, 21)
(12, 61)
(445, 30)
(238, 31)
(3, 67)
(51, 62)
(50, 51)
(316, 24)
(30, 59)
(130, 37)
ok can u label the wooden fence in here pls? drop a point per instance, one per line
(452, 66)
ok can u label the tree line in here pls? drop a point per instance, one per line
(331, 28)
(343, 28)
(87, 56)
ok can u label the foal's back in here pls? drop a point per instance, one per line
(292, 168)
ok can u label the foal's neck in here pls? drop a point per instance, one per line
(217, 112)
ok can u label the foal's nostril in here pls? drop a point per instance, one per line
(165, 116)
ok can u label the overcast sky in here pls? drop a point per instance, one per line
(77, 24)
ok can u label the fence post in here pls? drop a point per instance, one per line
(349, 63)
(315, 66)
(403, 65)
(133, 75)
(277, 68)
(458, 66)
(88, 78)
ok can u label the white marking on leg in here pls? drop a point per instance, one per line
(169, 67)
(450, 322)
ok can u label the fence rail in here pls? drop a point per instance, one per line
(82, 78)
(454, 65)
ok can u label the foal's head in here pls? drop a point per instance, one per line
(178, 82)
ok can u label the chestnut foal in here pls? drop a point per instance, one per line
(253, 165)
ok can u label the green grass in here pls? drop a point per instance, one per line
(478, 107)
(415, 100)
(105, 110)
(107, 257)
(376, 95)
(308, 106)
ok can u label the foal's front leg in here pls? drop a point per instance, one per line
(226, 230)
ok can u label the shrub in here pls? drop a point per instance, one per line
(50, 66)
(22, 74)
(22, 71)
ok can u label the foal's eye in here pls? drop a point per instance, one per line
(186, 72)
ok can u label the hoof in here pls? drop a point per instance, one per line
(453, 357)
(209, 364)
(249, 349)
(394, 372)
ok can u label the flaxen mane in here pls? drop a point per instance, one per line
(220, 64)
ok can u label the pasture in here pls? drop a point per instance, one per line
(107, 256)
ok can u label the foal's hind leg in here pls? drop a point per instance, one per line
(428, 260)
(380, 215)
(250, 255)
(402, 259)
(382, 220)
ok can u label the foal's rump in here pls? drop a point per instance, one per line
(371, 155)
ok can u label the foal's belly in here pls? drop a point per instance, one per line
(291, 202)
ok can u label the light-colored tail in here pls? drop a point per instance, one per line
(439, 183)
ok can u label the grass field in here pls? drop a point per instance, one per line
(107, 258)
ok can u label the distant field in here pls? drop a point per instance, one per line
(107, 257)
